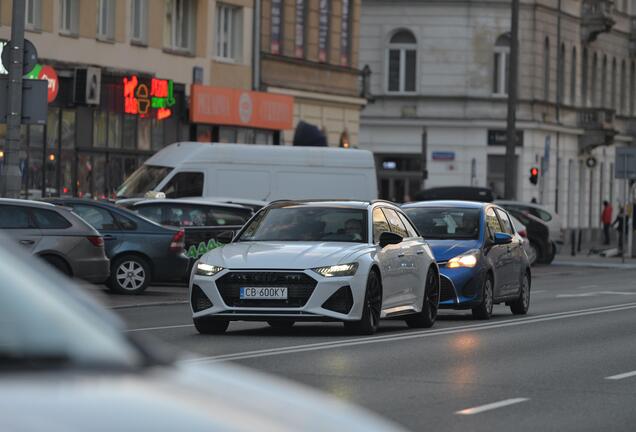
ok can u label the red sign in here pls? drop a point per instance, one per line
(49, 74)
(140, 100)
(235, 107)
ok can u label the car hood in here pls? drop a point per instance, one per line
(188, 397)
(443, 250)
(283, 255)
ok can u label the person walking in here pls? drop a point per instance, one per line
(619, 224)
(606, 220)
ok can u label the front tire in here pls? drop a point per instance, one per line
(370, 320)
(209, 326)
(426, 318)
(522, 304)
(129, 274)
(484, 310)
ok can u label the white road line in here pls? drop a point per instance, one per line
(411, 335)
(538, 291)
(491, 406)
(160, 328)
(621, 376)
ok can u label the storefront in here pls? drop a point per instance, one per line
(101, 126)
(237, 116)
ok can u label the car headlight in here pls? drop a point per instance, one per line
(207, 269)
(468, 260)
(337, 270)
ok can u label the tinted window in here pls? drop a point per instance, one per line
(506, 225)
(409, 227)
(380, 224)
(49, 219)
(228, 216)
(446, 223)
(492, 222)
(14, 217)
(185, 184)
(307, 223)
(541, 214)
(395, 222)
(125, 223)
(97, 217)
(152, 212)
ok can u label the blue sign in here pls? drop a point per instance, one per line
(443, 156)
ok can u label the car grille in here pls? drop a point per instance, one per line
(447, 291)
(299, 288)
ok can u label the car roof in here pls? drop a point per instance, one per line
(29, 203)
(328, 203)
(197, 201)
(446, 203)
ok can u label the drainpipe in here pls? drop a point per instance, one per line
(256, 46)
(558, 109)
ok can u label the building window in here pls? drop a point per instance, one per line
(345, 33)
(33, 15)
(546, 70)
(139, 21)
(632, 84)
(613, 88)
(69, 17)
(593, 91)
(106, 19)
(229, 32)
(501, 67)
(584, 80)
(561, 75)
(179, 28)
(275, 45)
(300, 28)
(402, 62)
(623, 87)
(573, 78)
(604, 81)
(323, 30)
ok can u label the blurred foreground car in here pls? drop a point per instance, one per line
(67, 364)
(481, 257)
(140, 250)
(57, 236)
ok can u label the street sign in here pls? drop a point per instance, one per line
(34, 105)
(30, 56)
(625, 163)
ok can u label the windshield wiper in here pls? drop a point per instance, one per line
(14, 360)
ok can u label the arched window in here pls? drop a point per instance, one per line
(623, 88)
(584, 74)
(573, 77)
(604, 81)
(402, 62)
(561, 75)
(546, 69)
(502, 64)
(593, 91)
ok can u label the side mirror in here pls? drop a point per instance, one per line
(389, 238)
(225, 237)
(502, 238)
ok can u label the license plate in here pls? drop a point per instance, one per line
(263, 293)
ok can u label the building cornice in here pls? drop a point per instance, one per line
(301, 94)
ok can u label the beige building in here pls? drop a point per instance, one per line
(309, 50)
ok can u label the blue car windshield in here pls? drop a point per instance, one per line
(446, 223)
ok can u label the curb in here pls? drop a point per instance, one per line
(595, 265)
(141, 305)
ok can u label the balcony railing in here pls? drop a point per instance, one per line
(597, 16)
(598, 126)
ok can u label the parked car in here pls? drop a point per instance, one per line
(140, 250)
(57, 236)
(257, 172)
(523, 232)
(349, 261)
(59, 349)
(551, 219)
(465, 193)
(539, 236)
(201, 219)
(480, 256)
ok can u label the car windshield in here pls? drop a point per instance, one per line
(446, 223)
(308, 223)
(44, 324)
(143, 180)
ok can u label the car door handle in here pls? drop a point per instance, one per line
(27, 242)
(109, 237)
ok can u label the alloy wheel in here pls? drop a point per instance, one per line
(130, 275)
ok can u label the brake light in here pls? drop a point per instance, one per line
(97, 241)
(178, 241)
(523, 233)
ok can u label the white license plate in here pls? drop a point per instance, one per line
(263, 293)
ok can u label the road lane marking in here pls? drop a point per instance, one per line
(160, 328)
(342, 343)
(491, 406)
(621, 376)
(597, 293)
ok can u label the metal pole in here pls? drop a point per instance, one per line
(10, 180)
(256, 46)
(630, 231)
(510, 191)
(624, 225)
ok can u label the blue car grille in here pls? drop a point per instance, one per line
(447, 290)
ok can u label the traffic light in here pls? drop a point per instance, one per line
(534, 175)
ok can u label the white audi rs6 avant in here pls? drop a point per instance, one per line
(350, 261)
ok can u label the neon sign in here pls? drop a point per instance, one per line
(143, 101)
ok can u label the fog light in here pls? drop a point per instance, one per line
(199, 300)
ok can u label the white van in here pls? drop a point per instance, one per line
(259, 172)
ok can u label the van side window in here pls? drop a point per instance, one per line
(184, 184)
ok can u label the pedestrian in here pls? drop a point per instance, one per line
(606, 220)
(619, 224)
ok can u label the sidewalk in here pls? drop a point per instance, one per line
(153, 296)
(582, 259)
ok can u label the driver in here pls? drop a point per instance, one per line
(353, 227)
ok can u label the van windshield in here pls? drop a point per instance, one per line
(143, 180)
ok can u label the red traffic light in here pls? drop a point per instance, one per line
(534, 171)
(534, 175)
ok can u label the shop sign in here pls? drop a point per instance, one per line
(499, 137)
(235, 107)
(148, 101)
(47, 73)
(446, 156)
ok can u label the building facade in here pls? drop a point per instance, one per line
(120, 74)
(309, 50)
(439, 83)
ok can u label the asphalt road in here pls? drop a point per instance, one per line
(568, 365)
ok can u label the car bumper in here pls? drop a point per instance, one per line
(95, 270)
(316, 305)
(460, 288)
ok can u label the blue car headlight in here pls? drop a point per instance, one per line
(466, 260)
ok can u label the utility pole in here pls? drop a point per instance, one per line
(511, 135)
(10, 179)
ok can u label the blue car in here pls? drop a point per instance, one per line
(140, 250)
(480, 256)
